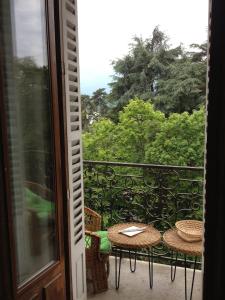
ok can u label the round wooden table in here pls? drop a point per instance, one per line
(177, 244)
(145, 240)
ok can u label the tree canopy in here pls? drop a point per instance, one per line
(154, 112)
(174, 79)
(184, 86)
(180, 140)
(144, 134)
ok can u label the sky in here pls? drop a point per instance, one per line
(106, 28)
(30, 30)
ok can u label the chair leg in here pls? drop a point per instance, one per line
(133, 268)
(185, 277)
(93, 281)
(173, 266)
(99, 277)
(107, 267)
(150, 266)
(117, 267)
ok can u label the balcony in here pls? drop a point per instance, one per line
(161, 195)
(135, 286)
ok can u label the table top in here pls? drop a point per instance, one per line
(148, 238)
(173, 241)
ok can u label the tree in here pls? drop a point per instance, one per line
(172, 78)
(32, 86)
(200, 53)
(180, 141)
(98, 143)
(34, 113)
(144, 135)
(127, 140)
(99, 102)
(136, 73)
(184, 87)
(137, 127)
(94, 107)
(86, 110)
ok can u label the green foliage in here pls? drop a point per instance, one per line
(143, 134)
(137, 73)
(32, 88)
(174, 79)
(167, 125)
(183, 89)
(98, 143)
(137, 127)
(86, 108)
(125, 141)
(180, 141)
(94, 107)
(34, 119)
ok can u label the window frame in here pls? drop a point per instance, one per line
(214, 258)
(16, 290)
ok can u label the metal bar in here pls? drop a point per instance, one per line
(150, 266)
(193, 278)
(136, 165)
(167, 258)
(117, 273)
(146, 193)
(133, 269)
(173, 269)
(185, 277)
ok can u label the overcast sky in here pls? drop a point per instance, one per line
(106, 28)
(30, 30)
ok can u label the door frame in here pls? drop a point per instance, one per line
(214, 253)
(6, 277)
(214, 258)
(11, 290)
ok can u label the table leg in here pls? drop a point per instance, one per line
(173, 267)
(133, 269)
(117, 273)
(150, 266)
(185, 277)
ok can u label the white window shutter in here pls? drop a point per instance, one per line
(73, 111)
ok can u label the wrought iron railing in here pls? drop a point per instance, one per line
(146, 193)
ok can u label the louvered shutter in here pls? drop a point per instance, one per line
(73, 110)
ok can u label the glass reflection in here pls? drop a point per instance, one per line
(30, 138)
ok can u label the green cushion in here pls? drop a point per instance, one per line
(105, 245)
(41, 206)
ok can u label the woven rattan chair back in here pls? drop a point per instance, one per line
(97, 263)
(92, 220)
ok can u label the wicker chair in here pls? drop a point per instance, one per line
(97, 263)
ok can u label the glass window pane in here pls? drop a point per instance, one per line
(28, 105)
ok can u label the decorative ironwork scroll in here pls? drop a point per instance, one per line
(152, 194)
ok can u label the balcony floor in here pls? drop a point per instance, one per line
(135, 286)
